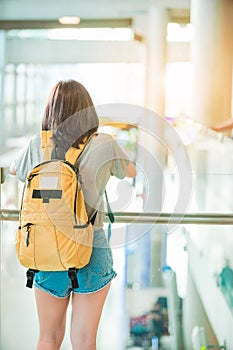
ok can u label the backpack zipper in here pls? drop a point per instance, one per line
(75, 198)
(46, 162)
(75, 203)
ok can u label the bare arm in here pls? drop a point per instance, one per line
(223, 126)
(131, 170)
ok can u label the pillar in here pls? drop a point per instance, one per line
(155, 102)
(156, 59)
(212, 52)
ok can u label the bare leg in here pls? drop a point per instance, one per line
(86, 312)
(52, 319)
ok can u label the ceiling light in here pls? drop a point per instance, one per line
(69, 20)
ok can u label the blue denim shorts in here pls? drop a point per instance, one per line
(91, 278)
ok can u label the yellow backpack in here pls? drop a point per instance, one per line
(54, 231)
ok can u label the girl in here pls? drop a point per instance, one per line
(71, 116)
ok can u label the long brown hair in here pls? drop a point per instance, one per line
(70, 114)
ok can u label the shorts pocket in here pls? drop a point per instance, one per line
(101, 258)
(42, 277)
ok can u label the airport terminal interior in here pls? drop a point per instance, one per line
(160, 76)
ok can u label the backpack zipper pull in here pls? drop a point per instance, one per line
(28, 233)
(30, 179)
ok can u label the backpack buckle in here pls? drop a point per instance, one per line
(30, 277)
(72, 273)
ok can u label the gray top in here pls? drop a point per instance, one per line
(101, 158)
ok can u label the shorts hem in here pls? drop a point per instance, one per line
(94, 290)
(51, 293)
(90, 291)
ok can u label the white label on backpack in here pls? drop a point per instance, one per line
(48, 182)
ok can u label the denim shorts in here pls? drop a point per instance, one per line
(91, 278)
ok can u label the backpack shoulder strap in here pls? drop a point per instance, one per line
(46, 143)
(74, 153)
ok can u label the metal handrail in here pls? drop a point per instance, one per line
(150, 218)
(140, 218)
(9, 215)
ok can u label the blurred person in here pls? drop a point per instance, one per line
(72, 118)
(156, 320)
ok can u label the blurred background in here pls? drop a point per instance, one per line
(160, 75)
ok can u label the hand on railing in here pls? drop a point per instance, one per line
(223, 126)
